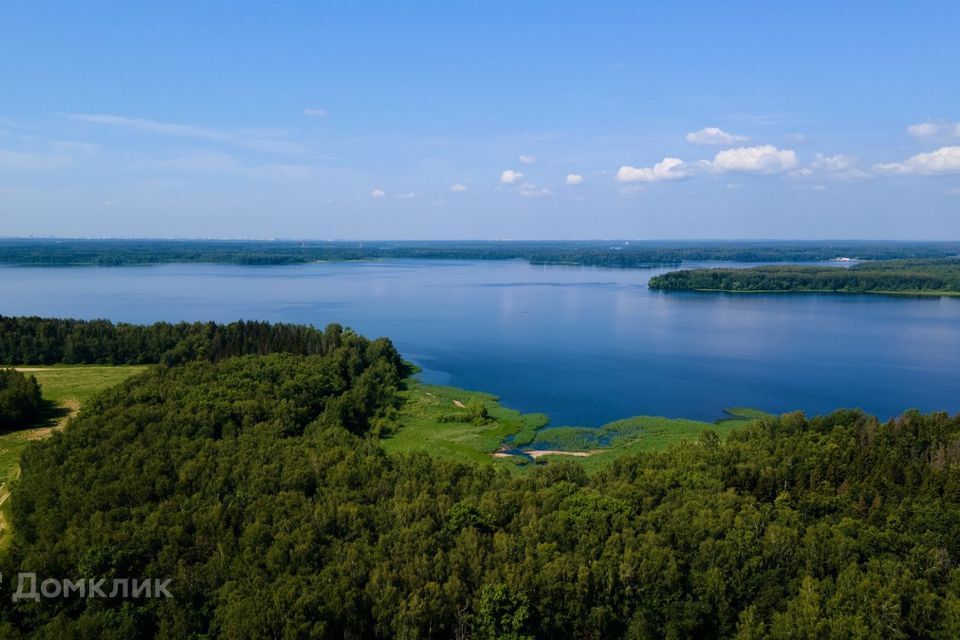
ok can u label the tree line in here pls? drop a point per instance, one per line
(20, 401)
(587, 253)
(258, 486)
(33, 340)
(904, 276)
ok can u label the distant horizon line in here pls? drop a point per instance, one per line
(453, 240)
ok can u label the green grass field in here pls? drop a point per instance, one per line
(67, 387)
(424, 425)
(636, 435)
(420, 425)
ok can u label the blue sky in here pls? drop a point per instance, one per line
(480, 120)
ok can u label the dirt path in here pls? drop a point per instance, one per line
(72, 407)
(40, 433)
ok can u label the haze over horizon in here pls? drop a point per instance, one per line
(500, 121)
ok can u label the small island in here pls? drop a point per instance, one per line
(916, 277)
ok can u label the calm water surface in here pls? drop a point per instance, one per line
(584, 345)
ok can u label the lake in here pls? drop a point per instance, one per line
(585, 345)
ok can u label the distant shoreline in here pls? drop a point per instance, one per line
(926, 277)
(597, 253)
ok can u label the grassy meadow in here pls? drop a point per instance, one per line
(426, 423)
(421, 425)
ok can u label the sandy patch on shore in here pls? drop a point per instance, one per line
(548, 452)
(459, 404)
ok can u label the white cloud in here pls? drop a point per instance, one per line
(573, 179)
(457, 188)
(378, 193)
(631, 189)
(316, 113)
(666, 169)
(734, 185)
(528, 160)
(510, 176)
(934, 129)
(762, 159)
(530, 190)
(837, 167)
(942, 161)
(406, 196)
(795, 138)
(265, 141)
(714, 135)
(765, 159)
(923, 130)
(840, 166)
(838, 162)
(953, 192)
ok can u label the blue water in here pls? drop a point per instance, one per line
(585, 345)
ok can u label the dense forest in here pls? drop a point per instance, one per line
(904, 276)
(257, 485)
(32, 340)
(20, 401)
(586, 253)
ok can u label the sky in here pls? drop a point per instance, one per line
(470, 120)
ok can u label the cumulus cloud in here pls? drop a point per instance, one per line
(714, 135)
(838, 162)
(765, 159)
(942, 161)
(528, 160)
(934, 129)
(762, 159)
(530, 190)
(378, 193)
(573, 179)
(316, 113)
(510, 176)
(666, 169)
(837, 167)
(457, 188)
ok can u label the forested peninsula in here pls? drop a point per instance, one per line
(254, 479)
(938, 277)
(599, 253)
